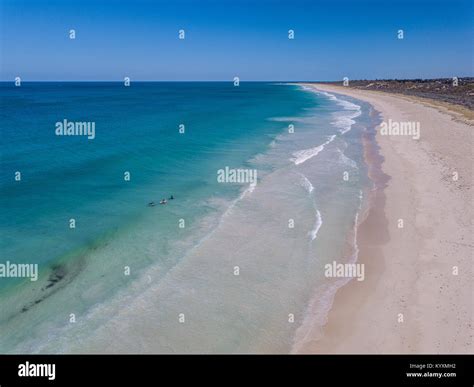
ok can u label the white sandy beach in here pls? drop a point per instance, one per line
(411, 271)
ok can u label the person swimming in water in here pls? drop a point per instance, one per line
(162, 201)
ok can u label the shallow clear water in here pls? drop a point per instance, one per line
(175, 272)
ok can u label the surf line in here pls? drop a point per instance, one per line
(301, 156)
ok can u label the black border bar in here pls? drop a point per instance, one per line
(318, 370)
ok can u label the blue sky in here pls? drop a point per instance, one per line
(249, 39)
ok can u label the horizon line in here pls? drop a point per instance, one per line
(230, 80)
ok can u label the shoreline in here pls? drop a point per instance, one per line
(405, 304)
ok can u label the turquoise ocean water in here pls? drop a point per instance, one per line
(162, 279)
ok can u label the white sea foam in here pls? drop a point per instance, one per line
(355, 254)
(306, 184)
(330, 96)
(345, 104)
(287, 119)
(313, 90)
(296, 120)
(249, 189)
(348, 105)
(344, 120)
(303, 155)
(246, 192)
(315, 316)
(346, 160)
(319, 221)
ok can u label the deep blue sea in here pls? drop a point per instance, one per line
(217, 269)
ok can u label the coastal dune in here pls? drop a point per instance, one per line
(415, 241)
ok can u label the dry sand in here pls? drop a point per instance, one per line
(410, 271)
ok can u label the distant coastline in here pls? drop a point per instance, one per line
(455, 94)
